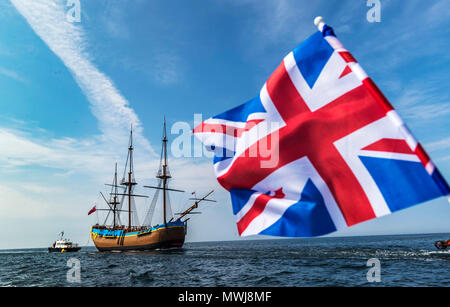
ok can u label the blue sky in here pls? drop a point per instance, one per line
(69, 92)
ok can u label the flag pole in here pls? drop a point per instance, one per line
(319, 22)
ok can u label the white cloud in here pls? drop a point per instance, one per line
(427, 111)
(66, 40)
(92, 159)
(20, 202)
(41, 195)
(12, 75)
(439, 145)
(277, 21)
(21, 146)
(422, 102)
(18, 148)
(113, 19)
(166, 68)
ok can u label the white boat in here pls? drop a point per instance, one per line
(63, 246)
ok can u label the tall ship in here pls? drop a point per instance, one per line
(118, 236)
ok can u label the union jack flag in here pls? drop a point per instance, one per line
(340, 153)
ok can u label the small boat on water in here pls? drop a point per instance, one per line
(63, 246)
(116, 236)
(442, 244)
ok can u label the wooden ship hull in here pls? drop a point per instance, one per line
(170, 235)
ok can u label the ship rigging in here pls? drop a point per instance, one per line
(132, 236)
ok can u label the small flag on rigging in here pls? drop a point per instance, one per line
(92, 210)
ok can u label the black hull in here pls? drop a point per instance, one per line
(63, 250)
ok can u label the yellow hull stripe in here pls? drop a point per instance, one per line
(94, 234)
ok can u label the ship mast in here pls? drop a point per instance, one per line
(128, 189)
(115, 202)
(165, 175)
(130, 183)
(130, 149)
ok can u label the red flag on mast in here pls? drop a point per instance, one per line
(92, 210)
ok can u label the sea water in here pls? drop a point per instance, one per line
(404, 260)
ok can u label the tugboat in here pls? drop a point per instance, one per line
(116, 236)
(63, 246)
